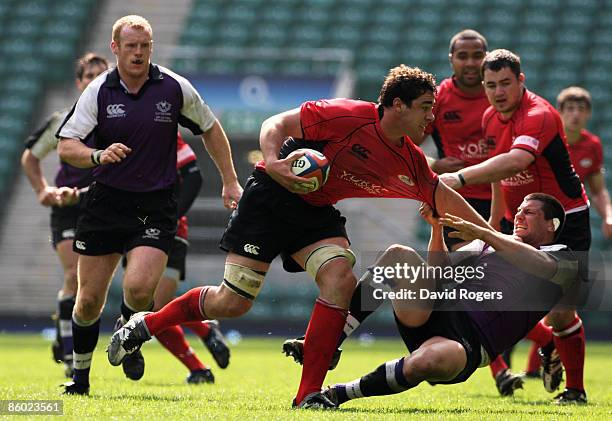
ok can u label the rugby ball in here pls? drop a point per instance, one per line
(313, 165)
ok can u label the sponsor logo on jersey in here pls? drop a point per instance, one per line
(405, 179)
(80, 245)
(163, 106)
(163, 114)
(250, 248)
(368, 186)
(452, 116)
(152, 233)
(521, 179)
(474, 150)
(360, 151)
(586, 162)
(115, 110)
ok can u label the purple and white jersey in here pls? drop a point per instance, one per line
(146, 122)
(526, 298)
(43, 140)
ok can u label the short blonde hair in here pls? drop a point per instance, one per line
(132, 21)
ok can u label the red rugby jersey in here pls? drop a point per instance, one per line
(535, 127)
(363, 162)
(184, 155)
(457, 131)
(586, 155)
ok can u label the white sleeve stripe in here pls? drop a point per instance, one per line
(525, 140)
(194, 109)
(84, 117)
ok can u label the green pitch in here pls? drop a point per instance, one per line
(260, 383)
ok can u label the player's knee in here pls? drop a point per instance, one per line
(139, 297)
(88, 307)
(397, 252)
(427, 365)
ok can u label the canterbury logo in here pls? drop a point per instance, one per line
(80, 244)
(360, 151)
(250, 248)
(115, 110)
(452, 116)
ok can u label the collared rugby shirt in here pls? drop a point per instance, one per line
(146, 122)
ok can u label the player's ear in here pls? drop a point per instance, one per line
(521, 77)
(114, 47)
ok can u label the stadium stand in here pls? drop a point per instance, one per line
(37, 50)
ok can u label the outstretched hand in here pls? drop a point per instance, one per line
(465, 230)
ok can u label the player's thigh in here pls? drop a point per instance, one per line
(145, 266)
(69, 260)
(95, 274)
(338, 270)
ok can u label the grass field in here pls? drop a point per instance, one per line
(260, 382)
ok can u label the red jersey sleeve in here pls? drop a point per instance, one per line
(597, 156)
(535, 131)
(184, 153)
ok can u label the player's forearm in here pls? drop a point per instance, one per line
(449, 201)
(437, 253)
(218, 147)
(75, 153)
(601, 201)
(520, 255)
(498, 206)
(31, 168)
(275, 130)
(492, 170)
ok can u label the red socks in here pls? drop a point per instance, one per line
(541, 335)
(185, 308)
(173, 339)
(570, 343)
(199, 328)
(498, 365)
(324, 329)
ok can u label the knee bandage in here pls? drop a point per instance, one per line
(320, 256)
(243, 281)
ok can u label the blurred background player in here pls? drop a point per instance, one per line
(574, 105)
(173, 339)
(457, 128)
(63, 198)
(134, 111)
(531, 155)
